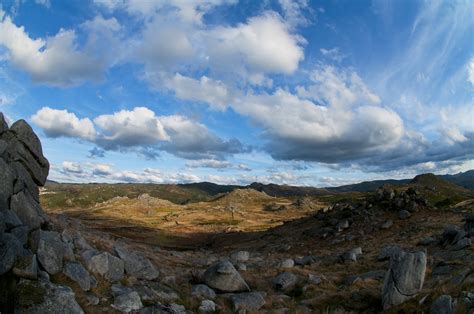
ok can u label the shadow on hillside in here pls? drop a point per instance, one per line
(141, 233)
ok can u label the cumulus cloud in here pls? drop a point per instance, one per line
(58, 60)
(139, 130)
(262, 45)
(57, 123)
(207, 90)
(139, 127)
(216, 164)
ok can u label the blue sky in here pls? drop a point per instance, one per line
(315, 93)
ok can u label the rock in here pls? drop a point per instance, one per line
(21, 233)
(203, 292)
(207, 306)
(250, 301)
(387, 224)
(80, 243)
(387, 252)
(427, 241)
(37, 165)
(287, 263)
(92, 299)
(6, 184)
(314, 279)
(224, 277)
(45, 297)
(24, 181)
(462, 244)
(128, 302)
(404, 278)
(3, 124)
(404, 214)
(106, 265)
(77, 273)
(351, 256)
(69, 252)
(136, 264)
(26, 267)
(156, 292)
(305, 260)
(28, 210)
(50, 251)
(285, 281)
(11, 220)
(442, 305)
(9, 249)
(43, 276)
(451, 235)
(342, 225)
(240, 256)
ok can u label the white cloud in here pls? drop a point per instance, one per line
(207, 90)
(57, 123)
(73, 167)
(130, 128)
(139, 130)
(262, 45)
(209, 163)
(101, 169)
(57, 60)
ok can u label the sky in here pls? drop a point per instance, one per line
(314, 93)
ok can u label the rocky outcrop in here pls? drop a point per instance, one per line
(25, 246)
(404, 278)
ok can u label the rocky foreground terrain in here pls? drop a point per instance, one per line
(391, 250)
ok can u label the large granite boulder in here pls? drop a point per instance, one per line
(106, 265)
(45, 297)
(28, 210)
(9, 250)
(50, 251)
(29, 151)
(76, 272)
(404, 278)
(136, 264)
(224, 277)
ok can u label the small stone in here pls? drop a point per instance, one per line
(128, 302)
(287, 263)
(250, 301)
(92, 299)
(387, 224)
(442, 305)
(305, 260)
(203, 292)
(285, 281)
(240, 256)
(404, 214)
(207, 306)
(314, 279)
